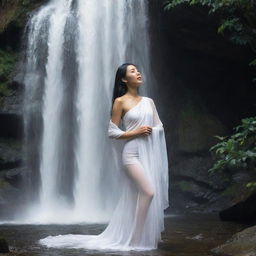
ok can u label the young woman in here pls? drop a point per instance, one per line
(138, 218)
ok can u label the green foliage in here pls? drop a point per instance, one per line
(251, 185)
(238, 19)
(7, 62)
(14, 13)
(238, 150)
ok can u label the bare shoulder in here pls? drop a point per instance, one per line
(118, 101)
(122, 100)
(118, 105)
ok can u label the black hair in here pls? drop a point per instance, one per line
(120, 87)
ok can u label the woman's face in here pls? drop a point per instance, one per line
(133, 76)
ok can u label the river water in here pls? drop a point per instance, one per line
(184, 235)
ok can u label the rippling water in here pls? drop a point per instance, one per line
(184, 235)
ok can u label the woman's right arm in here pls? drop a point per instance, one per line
(115, 132)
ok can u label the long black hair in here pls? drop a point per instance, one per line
(120, 87)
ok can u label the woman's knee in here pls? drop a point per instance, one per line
(142, 182)
(149, 193)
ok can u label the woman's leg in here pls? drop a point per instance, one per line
(145, 195)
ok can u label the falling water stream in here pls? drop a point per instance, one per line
(73, 49)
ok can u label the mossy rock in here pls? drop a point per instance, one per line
(7, 64)
(15, 11)
(13, 17)
(237, 192)
(4, 184)
(10, 143)
(184, 186)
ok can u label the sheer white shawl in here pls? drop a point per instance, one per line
(152, 154)
(153, 157)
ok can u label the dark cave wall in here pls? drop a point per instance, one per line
(203, 88)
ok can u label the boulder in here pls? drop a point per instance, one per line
(242, 211)
(242, 243)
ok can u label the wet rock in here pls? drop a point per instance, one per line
(244, 210)
(14, 176)
(11, 175)
(240, 244)
(195, 168)
(242, 176)
(10, 154)
(12, 103)
(8, 193)
(193, 188)
(12, 198)
(11, 112)
(197, 237)
(3, 246)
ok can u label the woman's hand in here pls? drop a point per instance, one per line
(144, 130)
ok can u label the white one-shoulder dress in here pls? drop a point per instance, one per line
(151, 153)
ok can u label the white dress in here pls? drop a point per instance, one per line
(150, 153)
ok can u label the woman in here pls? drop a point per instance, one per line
(138, 218)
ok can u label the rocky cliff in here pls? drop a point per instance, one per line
(13, 17)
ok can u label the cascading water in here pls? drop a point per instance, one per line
(73, 51)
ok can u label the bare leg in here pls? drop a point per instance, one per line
(145, 195)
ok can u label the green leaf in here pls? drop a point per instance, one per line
(253, 63)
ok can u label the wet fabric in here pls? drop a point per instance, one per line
(145, 157)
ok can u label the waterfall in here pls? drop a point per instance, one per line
(73, 50)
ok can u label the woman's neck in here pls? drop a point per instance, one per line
(132, 92)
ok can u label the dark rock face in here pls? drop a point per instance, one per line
(13, 17)
(10, 154)
(12, 126)
(4, 248)
(203, 88)
(195, 192)
(11, 175)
